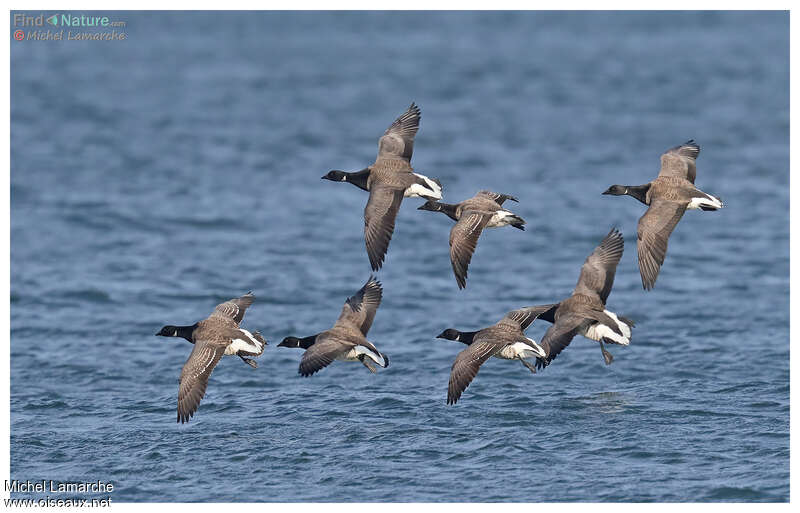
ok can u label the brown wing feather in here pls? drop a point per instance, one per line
(360, 308)
(379, 216)
(557, 337)
(322, 354)
(398, 140)
(655, 227)
(194, 377)
(680, 161)
(497, 197)
(597, 273)
(463, 240)
(526, 316)
(234, 308)
(466, 367)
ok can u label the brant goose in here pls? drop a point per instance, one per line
(669, 196)
(389, 180)
(347, 339)
(484, 210)
(585, 311)
(217, 336)
(505, 340)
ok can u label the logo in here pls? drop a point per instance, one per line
(53, 20)
(19, 35)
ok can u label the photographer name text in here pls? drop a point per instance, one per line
(50, 486)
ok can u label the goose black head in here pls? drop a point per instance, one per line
(302, 343)
(168, 331)
(433, 206)
(617, 190)
(290, 342)
(178, 331)
(336, 176)
(449, 334)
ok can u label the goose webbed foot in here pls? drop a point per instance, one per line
(249, 361)
(608, 357)
(367, 363)
(528, 365)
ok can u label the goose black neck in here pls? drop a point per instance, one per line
(466, 337)
(307, 342)
(449, 209)
(638, 191)
(186, 332)
(359, 178)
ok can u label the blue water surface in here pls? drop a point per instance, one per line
(154, 177)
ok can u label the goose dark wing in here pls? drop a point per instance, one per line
(497, 197)
(194, 377)
(379, 215)
(680, 161)
(398, 140)
(463, 240)
(597, 273)
(322, 354)
(234, 308)
(526, 316)
(558, 336)
(466, 367)
(655, 227)
(360, 308)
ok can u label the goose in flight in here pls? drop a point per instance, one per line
(505, 340)
(347, 339)
(214, 337)
(584, 312)
(389, 179)
(484, 210)
(668, 196)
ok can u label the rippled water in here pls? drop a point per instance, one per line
(156, 177)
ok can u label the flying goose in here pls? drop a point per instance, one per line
(584, 312)
(217, 336)
(505, 340)
(389, 180)
(669, 196)
(347, 339)
(484, 210)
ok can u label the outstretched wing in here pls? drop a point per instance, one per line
(597, 273)
(557, 337)
(360, 308)
(234, 308)
(463, 240)
(680, 161)
(398, 140)
(655, 227)
(466, 367)
(525, 316)
(194, 377)
(379, 215)
(322, 354)
(496, 196)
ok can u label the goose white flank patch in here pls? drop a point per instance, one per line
(431, 189)
(709, 203)
(358, 352)
(347, 339)
(600, 332)
(214, 337)
(248, 344)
